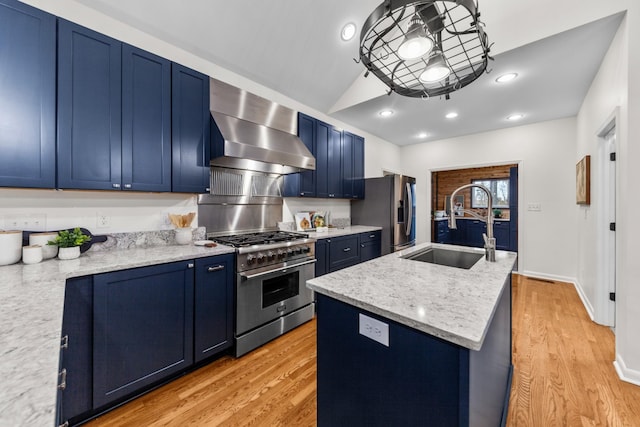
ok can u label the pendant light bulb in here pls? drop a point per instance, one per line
(416, 43)
(436, 69)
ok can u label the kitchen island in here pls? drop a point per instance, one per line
(403, 342)
(31, 321)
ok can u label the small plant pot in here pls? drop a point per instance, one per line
(69, 253)
(184, 235)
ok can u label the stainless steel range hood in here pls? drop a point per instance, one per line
(252, 133)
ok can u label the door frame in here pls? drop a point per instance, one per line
(607, 183)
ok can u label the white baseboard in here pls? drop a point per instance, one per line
(585, 301)
(629, 375)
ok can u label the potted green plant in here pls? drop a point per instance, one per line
(68, 243)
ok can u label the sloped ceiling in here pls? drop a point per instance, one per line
(294, 47)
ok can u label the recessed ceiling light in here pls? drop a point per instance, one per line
(423, 135)
(386, 113)
(348, 31)
(451, 115)
(514, 117)
(506, 77)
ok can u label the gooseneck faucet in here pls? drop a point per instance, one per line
(489, 240)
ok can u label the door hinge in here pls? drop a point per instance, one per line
(612, 296)
(612, 157)
(612, 226)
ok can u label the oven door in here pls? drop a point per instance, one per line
(263, 296)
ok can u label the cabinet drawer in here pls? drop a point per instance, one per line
(344, 252)
(372, 236)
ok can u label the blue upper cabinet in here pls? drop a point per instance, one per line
(358, 167)
(146, 121)
(339, 163)
(303, 184)
(190, 130)
(89, 109)
(27, 96)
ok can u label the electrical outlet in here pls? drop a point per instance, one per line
(103, 221)
(534, 207)
(374, 329)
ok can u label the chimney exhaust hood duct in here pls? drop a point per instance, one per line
(253, 133)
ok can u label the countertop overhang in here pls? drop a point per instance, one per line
(453, 304)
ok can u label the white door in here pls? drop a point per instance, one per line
(610, 201)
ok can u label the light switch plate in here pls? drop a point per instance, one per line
(374, 329)
(534, 207)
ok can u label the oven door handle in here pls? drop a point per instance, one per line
(288, 267)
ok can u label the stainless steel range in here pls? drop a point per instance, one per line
(272, 266)
(271, 297)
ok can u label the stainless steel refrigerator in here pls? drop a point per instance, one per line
(389, 202)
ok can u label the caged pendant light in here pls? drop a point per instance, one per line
(425, 48)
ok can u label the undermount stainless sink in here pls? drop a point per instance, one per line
(448, 257)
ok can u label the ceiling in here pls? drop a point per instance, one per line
(294, 48)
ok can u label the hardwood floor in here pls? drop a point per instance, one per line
(563, 376)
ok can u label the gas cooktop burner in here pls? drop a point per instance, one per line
(260, 238)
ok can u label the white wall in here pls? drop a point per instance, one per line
(628, 277)
(546, 156)
(607, 92)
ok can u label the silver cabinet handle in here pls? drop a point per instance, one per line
(346, 249)
(264, 273)
(63, 379)
(362, 245)
(216, 268)
(127, 186)
(64, 343)
(373, 236)
(115, 185)
(207, 189)
(190, 265)
(65, 424)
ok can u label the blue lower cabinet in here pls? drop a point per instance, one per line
(502, 233)
(322, 256)
(441, 230)
(76, 352)
(28, 100)
(344, 251)
(370, 245)
(475, 230)
(213, 326)
(142, 328)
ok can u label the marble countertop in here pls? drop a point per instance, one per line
(454, 304)
(32, 301)
(343, 231)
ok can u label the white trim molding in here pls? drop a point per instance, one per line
(626, 374)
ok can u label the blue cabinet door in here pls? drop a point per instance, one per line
(370, 245)
(142, 328)
(442, 232)
(334, 163)
(27, 96)
(303, 184)
(191, 130)
(213, 325)
(146, 121)
(76, 350)
(475, 230)
(322, 256)
(347, 165)
(513, 209)
(89, 109)
(501, 231)
(323, 131)
(358, 168)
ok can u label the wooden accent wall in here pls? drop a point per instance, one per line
(445, 182)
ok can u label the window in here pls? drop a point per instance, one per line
(499, 190)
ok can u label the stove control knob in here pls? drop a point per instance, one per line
(261, 257)
(289, 252)
(251, 259)
(298, 250)
(306, 249)
(271, 255)
(281, 254)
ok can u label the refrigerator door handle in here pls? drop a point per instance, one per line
(410, 211)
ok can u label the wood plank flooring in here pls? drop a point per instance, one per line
(563, 376)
